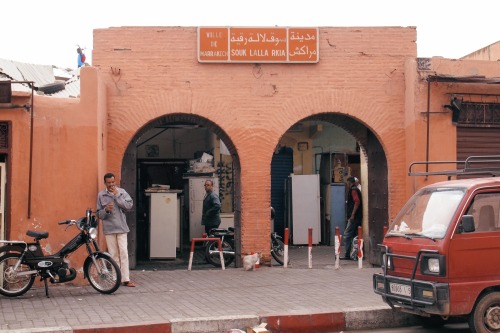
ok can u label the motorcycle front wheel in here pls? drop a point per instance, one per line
(12, 283)
(278, 250)
(103, 273)
(212, 253)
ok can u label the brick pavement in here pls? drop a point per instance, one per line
(169, 298)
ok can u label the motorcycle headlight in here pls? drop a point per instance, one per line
(93, 233)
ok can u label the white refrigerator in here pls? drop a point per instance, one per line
(303, 208)
(195, 202)
(165, 225)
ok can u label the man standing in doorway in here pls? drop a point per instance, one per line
(210, 217)
(354, 215)
(112, 203)
(356, 182)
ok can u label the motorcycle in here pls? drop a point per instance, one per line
(21, 262)
(277, 245)
(227, 241)
(278, 248)
(212, 248)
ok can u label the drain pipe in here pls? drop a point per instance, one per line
(428, 125)
(31, 150)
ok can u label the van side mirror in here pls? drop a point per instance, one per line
(467, 224)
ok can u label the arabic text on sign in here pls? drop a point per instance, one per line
(258, 44)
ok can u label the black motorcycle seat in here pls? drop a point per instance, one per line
(38, 235)
(218, 230)
(222, 232)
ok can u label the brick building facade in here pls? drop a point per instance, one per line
(368, 82)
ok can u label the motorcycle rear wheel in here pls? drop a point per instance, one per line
(12, 285)
(212, 253)
(278, 250)
(104, 275)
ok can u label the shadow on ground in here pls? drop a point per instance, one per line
(322, 256)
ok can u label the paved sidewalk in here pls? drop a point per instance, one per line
(296, 299)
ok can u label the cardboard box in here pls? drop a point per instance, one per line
(258, 329)
(203, 167)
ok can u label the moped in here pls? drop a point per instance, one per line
(227, 239)
(212, 250)
(21, 262)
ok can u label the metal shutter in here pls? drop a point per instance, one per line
(281, 168)
(477, 141)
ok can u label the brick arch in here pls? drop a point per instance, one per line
(368, 124)
(353, 112)
(174, 118)
(128, 159)
(356, 114)
(125, 120)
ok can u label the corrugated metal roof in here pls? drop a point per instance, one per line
(40, 75)
(72, 89)
(23, 87)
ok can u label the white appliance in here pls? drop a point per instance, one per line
(195, 201)
(303, 211)
(164, 225)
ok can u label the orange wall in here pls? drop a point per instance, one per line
(442, 133)
(64, 165)
(153, 71)
(142, 73)
(490, 53)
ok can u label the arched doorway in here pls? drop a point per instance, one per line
(176, 162)
(319, 143)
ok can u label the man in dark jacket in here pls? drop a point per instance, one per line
(210, 217)
(354, 215)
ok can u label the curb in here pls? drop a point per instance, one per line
(374, 318)
(59, 329)
(357, 319)
(152, 327)
(213, 324)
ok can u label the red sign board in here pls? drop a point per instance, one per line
(258, 45)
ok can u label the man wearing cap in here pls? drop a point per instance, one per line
(354, 215)
(356, 182)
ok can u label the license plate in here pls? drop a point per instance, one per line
(400, 289)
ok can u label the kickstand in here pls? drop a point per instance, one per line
(46, 288)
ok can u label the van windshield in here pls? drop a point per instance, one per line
(428, 213)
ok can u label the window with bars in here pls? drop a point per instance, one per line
(4, 135)
(479, 114)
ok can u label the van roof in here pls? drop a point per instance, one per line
(468, 183)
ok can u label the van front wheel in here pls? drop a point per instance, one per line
(485, 317)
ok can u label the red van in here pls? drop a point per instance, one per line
(441, 254)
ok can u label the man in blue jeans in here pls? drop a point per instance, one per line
(354, 215)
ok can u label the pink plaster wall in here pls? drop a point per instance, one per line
(442, 135)
(65, 165)
(489, 53)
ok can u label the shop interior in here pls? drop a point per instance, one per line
(173, 162)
